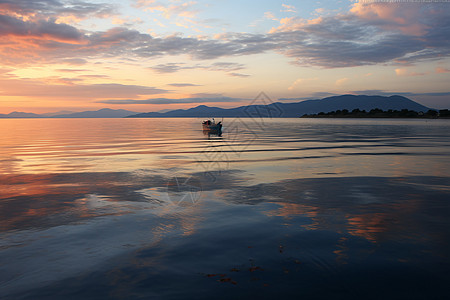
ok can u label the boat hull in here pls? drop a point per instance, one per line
(212, 127)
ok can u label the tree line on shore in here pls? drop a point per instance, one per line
(379, 113)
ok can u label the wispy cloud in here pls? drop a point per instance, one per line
(341, 82)
(170, 8)
(182, 84)
(217, 66)
(406, 94)
(182, 14)
(269, 15)
(300, 81)
(406, 72)
(74, 61)
(234, 74)
(288, 8)
(441, 70)
(58, 87)
(317, 95)
(173, 101)
(94, 76)
(170, 67)
(71, 70)
(59, 10)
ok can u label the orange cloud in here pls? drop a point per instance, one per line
(396, 17)
(406, 72)
(288, 8)
(295, 23)
(70, 88)
(185, 10)
(269, 15)
(441, 70)
(341, 81)
(300, 81)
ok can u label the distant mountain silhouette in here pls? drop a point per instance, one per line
(58, 113)
(292, 110)
(102, 113)
(274, 110)
(19, 115)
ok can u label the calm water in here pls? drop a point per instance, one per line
(285, 209)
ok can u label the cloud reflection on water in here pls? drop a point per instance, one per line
(334, 201)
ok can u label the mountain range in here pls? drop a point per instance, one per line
(293, 110)
(102, 113)
(273, 110)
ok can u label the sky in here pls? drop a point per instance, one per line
(153, 55)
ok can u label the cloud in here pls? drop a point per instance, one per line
(225, 66)
(172, 101)
(342, 42)
(5, 71)
(182, 14)
(300, 81)
(45, 41)
(59, 87)
(169, 67)
(406, 72)
(366, 35)
(341, 82)
(359, 38)
(317, 95)
(41, 29)
(218, 66)
(48, 42)
(406, 94)
(440, 94)
(54, 80)
(441, 70)
(297, 82)
(320, 10)
(373, 93)
(405, 18)
(126, 21)
(183, 9)
(182, 84)
(74, 61)
(94, 76)
(234, 74)
(288, 8)
(56, 8)
(269, 15)
(71, 70)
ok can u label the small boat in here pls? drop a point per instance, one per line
(212, 126)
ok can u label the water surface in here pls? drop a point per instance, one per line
(286, 208)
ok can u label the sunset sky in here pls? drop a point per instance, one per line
(151, 55)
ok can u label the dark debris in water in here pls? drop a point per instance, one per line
(248, 271)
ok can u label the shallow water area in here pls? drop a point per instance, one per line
(291, 208)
